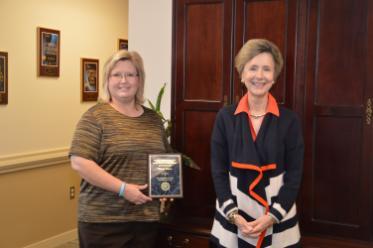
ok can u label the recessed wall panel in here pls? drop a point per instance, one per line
(198, 127)
(268, 19)
(341, 57)
(203, 68)
(337, 167)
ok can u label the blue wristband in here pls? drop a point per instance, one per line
(121, 190)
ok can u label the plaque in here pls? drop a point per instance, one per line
(165, 176)
(49, 52)
(89, 79)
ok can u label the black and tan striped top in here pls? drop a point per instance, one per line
(120, 145)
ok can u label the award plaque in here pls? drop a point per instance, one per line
(165, 176)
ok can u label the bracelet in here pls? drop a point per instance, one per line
(274, 219)
(232, 216)
(121, 190)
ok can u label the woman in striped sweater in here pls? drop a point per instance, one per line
(257, 157)
(110, 152)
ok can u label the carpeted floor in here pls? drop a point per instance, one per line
(70, 244)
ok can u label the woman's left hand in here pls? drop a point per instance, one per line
(134, 194)
(260, 224)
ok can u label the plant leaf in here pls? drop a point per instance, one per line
(151, 105)
(187, 161)
(168, 128)
(160, 115)
(159, 98)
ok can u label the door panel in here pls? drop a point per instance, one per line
(201, 81)
(198, 127)
(204, 52)
(337, 195)
(344, 171)
(273, 20)
(341, 47)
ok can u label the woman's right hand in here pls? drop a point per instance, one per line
(243, 225)
(133, 194)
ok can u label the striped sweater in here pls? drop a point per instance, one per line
(257, 177)
(120, 145)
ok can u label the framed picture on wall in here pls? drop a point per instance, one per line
(3, 78)
(89, 79)
(49, 52)
(122, 44)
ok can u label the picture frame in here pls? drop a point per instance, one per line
(49, 52)
(122, 44)
(165, 175)
(3, 77)
(89, 79)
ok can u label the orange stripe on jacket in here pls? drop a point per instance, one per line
(260, 169)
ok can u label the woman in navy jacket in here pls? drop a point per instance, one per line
(257, 158)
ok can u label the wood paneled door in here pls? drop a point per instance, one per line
(338, 191)
(201, 81)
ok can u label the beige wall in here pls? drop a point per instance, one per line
(35, 204)
(38, 122)
(42, 111)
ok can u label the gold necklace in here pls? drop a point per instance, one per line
(257, 116)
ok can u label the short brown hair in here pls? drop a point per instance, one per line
(136, 60)
(255, 47)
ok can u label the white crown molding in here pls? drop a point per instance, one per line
(26, 161)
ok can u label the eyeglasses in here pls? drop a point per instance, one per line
(126, 75)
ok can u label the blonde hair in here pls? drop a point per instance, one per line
(255, 47)
(136, 60)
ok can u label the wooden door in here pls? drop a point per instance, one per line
(338, 189)
(201, 86)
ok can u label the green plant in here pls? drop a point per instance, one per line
(187, 161)
(157, 108)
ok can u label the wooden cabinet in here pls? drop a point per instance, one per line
(327, 79)
(173, 239)
(187, 235)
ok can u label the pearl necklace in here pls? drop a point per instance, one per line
(257, 116)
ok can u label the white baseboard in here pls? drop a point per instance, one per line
(56, 240)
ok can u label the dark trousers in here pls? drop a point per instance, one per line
(117, 235)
